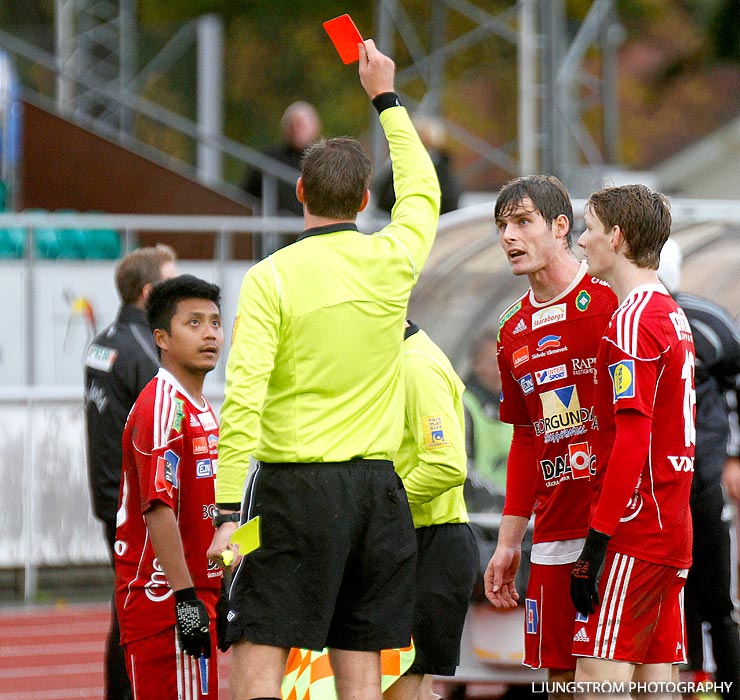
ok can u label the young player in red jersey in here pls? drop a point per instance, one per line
(164, 581)
(546, 354)
(630, 623)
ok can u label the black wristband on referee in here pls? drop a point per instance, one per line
(236, 507)
(185, 594)
(385, 100)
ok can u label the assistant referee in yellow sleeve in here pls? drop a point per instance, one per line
(314, 393)
(432, 464)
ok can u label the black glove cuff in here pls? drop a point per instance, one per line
(185, 595)
(595, 546)
(385, 100)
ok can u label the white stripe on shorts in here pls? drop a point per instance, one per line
(611, 606)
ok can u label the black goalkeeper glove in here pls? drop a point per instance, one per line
(584, 579)
(192, 623)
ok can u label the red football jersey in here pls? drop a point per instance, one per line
(170, 455)
(547, 357)
(646, 363)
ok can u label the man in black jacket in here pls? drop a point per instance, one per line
(118, 365)
(708, 594)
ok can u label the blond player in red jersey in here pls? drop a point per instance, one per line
(546, 355)
(630, 625)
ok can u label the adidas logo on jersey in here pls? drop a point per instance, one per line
(521, 326)
(581, 636)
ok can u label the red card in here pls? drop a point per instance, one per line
(345, 37)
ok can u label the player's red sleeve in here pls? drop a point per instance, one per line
(630, 451)
(521, 473)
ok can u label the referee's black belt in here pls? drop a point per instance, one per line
(378, 463)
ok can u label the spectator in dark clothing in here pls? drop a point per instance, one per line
(119, 363)
(487, 439)
(708, 595)
(433, 135)
(301, 126)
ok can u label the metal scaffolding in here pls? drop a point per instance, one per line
(559, 77)
(96, 53)
(567, 106)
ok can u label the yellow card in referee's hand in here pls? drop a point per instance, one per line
(247, 536)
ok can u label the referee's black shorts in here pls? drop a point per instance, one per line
(446, 570)
(336, 563)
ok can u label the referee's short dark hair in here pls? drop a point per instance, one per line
(336, 174)
(165, 296)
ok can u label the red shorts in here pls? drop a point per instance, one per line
(548, 618)
(640, 619)
(160, 671)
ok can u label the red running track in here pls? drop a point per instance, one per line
(56, 653)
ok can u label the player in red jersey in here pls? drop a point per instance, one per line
(546, 354)
(164, 581)
(630, 623)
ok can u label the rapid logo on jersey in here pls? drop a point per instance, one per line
(433, 428)
(623, 379)
(551, 374)
(165, 478)
(583, 365)
(551, 314)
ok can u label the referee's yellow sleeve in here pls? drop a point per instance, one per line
(250, 363)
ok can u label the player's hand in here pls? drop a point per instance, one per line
(192, 623)
(500, 576)
(584, 579)
(731, 478)
(376, 70)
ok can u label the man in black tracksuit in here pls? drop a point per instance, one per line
(118, 365)
(708, 595)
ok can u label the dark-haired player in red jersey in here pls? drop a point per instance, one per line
(630, 624)
(546, 354)
(166, 589)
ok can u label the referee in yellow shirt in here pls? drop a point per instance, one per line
(314, 393)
